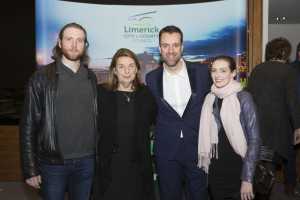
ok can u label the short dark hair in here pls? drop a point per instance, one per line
(171, 29)
(230, 60)
(112, 83)
(278, 49)
(298, 52)
(57, 52)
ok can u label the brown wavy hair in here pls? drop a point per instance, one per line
(278, 49)
(112, 82)
(57, 52)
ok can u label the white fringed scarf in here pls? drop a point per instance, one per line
(230, 117)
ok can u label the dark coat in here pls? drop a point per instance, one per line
(145, 113)
(273, 87)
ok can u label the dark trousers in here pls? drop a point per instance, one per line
(181, 178)
(289, 167)
(74, 176)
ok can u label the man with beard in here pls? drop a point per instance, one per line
(179, 88)
(58, 125)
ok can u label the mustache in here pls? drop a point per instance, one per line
(172, 54)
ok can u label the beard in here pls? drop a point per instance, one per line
(73, 55)
(171, 62)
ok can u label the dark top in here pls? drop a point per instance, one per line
(110, 145)
(74, 113)
(226, 170)
(125, 127)
(273, 87)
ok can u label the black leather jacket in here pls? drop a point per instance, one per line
(37, 128)
(249, 122)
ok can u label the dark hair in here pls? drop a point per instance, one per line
(171, 29)
(57, 52)
(278, 49)
(297, 52)
(228, 59)
(112, 83)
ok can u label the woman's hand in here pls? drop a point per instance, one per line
(246, 191)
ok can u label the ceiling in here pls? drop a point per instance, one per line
(288, 9)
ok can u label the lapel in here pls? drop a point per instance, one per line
(192, 78)
(159, 89)
(160, 82)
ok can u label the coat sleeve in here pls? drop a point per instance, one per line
(251, 126)
(29, 126)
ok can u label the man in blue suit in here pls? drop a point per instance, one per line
(179, 88)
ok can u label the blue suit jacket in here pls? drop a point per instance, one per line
(169, 124)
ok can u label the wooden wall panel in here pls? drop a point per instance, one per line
(255, 21)
(10, 169)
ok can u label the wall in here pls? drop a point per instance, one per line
(289, 31)
(17, 43)
(10, 169)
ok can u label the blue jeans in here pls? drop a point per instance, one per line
(75, 176)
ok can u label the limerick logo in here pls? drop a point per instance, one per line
(141, 27)
(142, 17)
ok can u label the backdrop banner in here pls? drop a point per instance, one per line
(209, 28)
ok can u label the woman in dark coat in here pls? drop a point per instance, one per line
(126, 112)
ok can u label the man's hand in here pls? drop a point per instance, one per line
(34, 181)
(297, 136)
(246, 191)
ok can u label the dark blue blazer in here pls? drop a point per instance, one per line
(169, 124)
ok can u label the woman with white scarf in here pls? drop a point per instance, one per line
(228, 136)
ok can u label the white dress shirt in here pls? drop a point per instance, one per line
(177, 89)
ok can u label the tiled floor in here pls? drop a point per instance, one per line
(19, 191)
(278, 193)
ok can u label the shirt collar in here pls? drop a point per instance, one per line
(182, 73)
